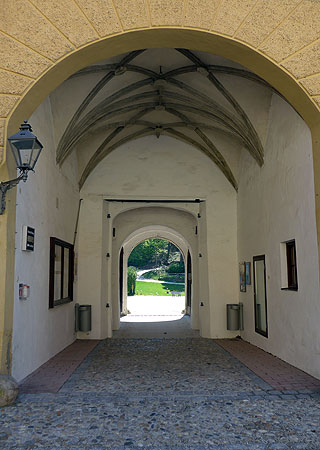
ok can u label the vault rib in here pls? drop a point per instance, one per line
(226, 70)
(182, 100)
(197, 61)
(93, 93)
(220, 162)
(105, 107)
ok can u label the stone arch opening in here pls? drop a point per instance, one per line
(174, 307)
(135, 225)
(129, 42)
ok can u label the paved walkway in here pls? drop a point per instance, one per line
(155, 393)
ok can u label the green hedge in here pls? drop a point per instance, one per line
(176, 267)
(132, 278)
(174, 277)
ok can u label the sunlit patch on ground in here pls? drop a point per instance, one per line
(153, 308)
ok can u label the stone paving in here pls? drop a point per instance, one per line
(163, 394)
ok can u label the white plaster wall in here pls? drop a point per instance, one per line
(92, 266)
(276, 204)
(40, 333)
(221, 259)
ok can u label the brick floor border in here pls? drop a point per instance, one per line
(277, 373)
(51, 376)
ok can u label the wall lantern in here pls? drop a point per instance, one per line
(26, 149)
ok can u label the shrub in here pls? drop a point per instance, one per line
(176, 267)
(175, 277)
(132, 277)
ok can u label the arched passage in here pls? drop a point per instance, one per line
(135, 225)
(194, 39)
(158, 232)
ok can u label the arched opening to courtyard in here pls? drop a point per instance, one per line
(155, 303)
(155, 280)
(131, 228)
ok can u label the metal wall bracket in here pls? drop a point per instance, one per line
(6, 185)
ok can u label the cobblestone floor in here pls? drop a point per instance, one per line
(163, 394)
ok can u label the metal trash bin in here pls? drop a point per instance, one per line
(233, 316)
(84, 317)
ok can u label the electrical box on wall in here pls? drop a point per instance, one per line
(28, 234)
(24, 291)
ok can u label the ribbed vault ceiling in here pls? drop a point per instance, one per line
(159, 103)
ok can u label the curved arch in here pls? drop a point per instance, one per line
(138, 207)
(57, 69)
(171, 37)
(149, 232)
(158, 232)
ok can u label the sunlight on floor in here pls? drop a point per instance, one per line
(136, 318)
(154, 308)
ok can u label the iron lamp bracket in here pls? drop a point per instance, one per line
(6, 185)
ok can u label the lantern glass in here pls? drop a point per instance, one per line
(36, 150)
(25, 147)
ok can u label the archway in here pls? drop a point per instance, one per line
(158, 294)
(195, 39)
(152, 267)
(133, 226)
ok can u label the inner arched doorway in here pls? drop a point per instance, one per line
(167, 222)
(160, 264)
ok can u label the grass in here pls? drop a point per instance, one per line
(149, 288)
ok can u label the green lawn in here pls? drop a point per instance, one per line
(160, 288)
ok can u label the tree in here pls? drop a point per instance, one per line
(132, 277)
(151, 252)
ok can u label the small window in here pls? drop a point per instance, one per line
(61, 272)
(289, 277)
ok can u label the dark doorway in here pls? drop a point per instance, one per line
(121, 280)
(189, 284)
(260, 295)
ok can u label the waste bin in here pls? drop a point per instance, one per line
(233, 316)
(84, 317)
